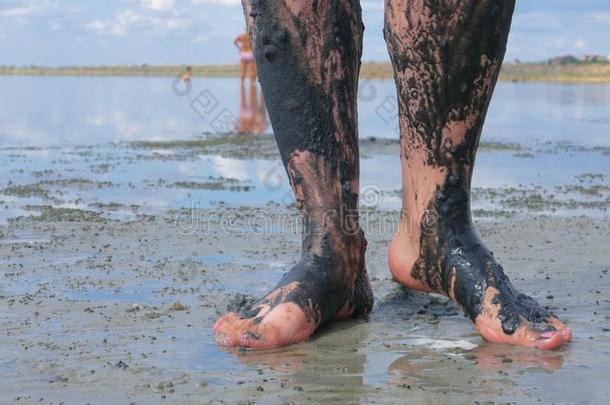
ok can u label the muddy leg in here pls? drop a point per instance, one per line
(308, 60)
(446, 57)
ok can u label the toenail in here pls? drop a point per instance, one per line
(548, 334)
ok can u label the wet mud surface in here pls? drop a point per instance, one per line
(112, 278)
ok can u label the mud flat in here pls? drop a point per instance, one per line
(122, 310)
(112, 278)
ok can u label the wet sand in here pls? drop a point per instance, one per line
(99, 307)
(123, 310)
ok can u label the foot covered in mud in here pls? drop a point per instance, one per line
(500, 313)
(319, 289)
(446, 256)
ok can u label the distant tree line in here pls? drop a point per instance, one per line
(571, 59)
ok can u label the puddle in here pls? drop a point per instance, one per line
(548, 183)
(441, 344)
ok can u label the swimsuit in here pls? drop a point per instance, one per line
(246, 57)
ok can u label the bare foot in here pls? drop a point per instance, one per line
(443, 254)
(320, 288)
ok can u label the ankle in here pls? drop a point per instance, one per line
(335, 243)
(340, 222)
(452, 202)
(403, 255)
(419, 251)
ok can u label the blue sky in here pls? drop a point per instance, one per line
(92, 32)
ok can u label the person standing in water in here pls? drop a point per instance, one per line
(187, 75)
(446, 57)
(246, 57)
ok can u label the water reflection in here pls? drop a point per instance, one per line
(252, 110)
(504, 357)
(43, 111)
(353, 367)
(320, 365)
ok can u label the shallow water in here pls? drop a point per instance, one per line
(129, 181)
(152, 183)
(85, 295)
(55, 129)
(42, 111)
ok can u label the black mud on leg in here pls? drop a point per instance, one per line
(447, 56)
(308, 61)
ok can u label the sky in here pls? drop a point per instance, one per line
(106, 32)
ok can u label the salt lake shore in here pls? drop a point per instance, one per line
(515, 72)
(116, 302)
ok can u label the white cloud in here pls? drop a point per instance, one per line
(117, 27)
(158, 4)
(165, 31)
(199, 38)
(603, 18)
(221, 2)
(126, 20)
(20, 11)
(97, 26)
(26, 8)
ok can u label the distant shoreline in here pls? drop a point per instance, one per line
(516, 72)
